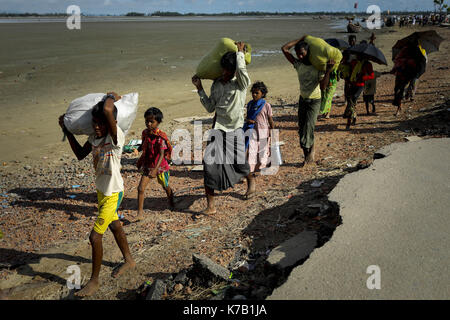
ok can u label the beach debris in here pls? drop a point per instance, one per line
(132, 145)
(178, 287)
(195, 232)
(317, 183)
(75, 186)
(413, 138)
(27, 167)
(181, 277)
(194, 118)
(198, 168)
(242, 266)
(72, 196)
(156, 290)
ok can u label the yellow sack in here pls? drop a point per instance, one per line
(210, 68)
(320, 52)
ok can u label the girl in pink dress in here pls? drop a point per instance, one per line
(259, 122)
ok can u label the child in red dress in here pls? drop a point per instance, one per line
(156, 150)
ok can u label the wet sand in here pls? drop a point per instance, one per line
(45, 66)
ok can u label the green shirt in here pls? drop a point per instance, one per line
(228, 99)
(309, 78)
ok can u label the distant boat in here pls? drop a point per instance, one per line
(353, 28)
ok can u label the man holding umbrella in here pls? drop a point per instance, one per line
(361, 71)
(410, 58)
(409, 65)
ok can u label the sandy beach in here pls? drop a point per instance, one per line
(48, 202)
(45, 66)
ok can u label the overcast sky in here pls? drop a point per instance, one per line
(206, 6)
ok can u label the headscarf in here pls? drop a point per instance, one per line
(253, 110)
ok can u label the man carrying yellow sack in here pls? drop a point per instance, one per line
(312, 81)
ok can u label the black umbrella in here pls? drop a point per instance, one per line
(338, 43)
(429, 40)
(370, 52)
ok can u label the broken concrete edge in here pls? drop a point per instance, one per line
(387, 150)
(215, 270)
(280, 262)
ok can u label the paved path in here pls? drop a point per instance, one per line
(396, 215)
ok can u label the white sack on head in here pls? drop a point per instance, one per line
(78, 117)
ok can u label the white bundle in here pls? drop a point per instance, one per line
(78, 117)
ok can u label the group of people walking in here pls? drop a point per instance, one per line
(227, 100)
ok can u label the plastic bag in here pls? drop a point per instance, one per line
(276, 155)
(78, 117)
(210, 68)
(321, 52)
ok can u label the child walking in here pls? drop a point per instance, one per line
(156, 150)
(106, 147)
(260, 122)
(370, 89)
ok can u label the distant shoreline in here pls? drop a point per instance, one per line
(190, 14)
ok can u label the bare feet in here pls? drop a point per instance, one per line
(249, 194)
(251, 187)
(123, 268)
(89, 289)
(3, 295)
(309, 158)
(209, 210)
(140, 215)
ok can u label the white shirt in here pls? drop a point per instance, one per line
(106, 156)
